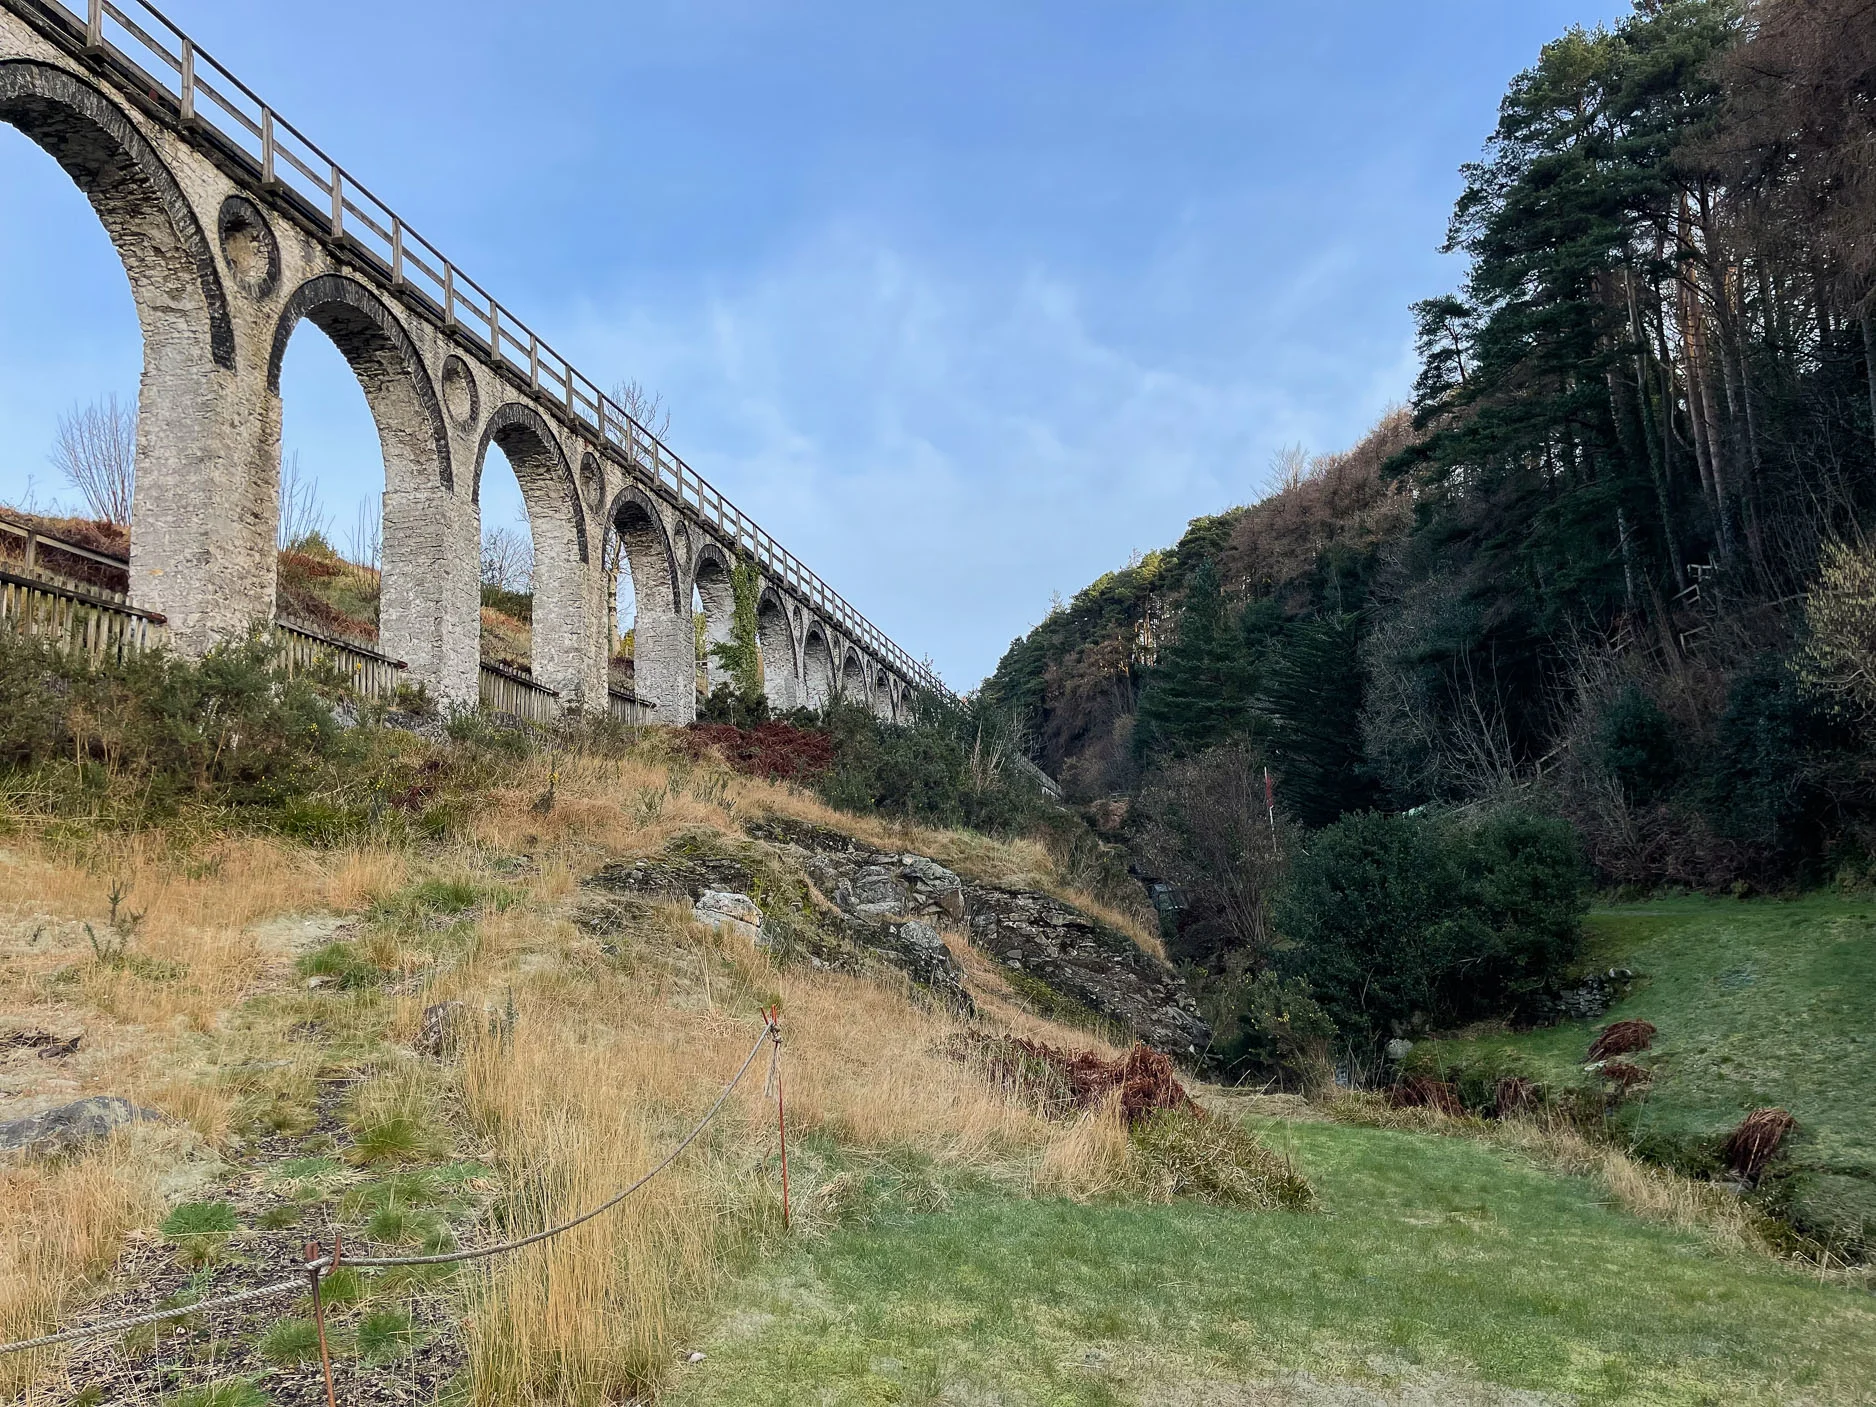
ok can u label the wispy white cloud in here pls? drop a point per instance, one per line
(948, 445)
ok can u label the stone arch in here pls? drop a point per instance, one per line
(389, 368)
(202, 547)
(781, 669)
(882, 696)
(711, 575)
(817, 668)
(634, 519)
(565, 653)
(167, 255)
(421, 604)
(853, 676)
(664, 641)
(524, 435)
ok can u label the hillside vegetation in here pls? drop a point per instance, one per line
(1754, 1005)
(268, 969)
(1592, 610)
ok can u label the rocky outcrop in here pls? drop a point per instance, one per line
(70, 1125)
(1088, 963)
(734, 914)
(878, 913)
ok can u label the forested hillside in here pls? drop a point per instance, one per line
(1610, 567)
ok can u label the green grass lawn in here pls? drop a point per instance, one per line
(1761, 1003)
(1439, 1266)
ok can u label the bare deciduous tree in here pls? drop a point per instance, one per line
(1289, 466)
(303, 518)
(648, 408)
(644, 405)
(508, 559)
(364, 545)
(96, 451)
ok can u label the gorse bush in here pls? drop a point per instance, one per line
(229, 729)
(1414, 922)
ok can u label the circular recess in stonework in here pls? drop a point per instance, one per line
(249, 247)
(459, 392)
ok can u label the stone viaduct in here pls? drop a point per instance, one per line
(234, 229)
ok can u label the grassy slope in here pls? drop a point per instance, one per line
(1760, 1003)
(1437, 1264)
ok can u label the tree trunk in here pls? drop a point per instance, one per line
(1869, 358)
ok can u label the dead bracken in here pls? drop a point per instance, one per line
(1750, 1147)
(1064, 1082)
(1622, 1038)
(1424, 1092)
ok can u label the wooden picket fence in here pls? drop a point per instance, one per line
(105, 627)
(101, 629)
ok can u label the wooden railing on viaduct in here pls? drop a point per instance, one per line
(36, 599)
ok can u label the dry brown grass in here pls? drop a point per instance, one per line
(607, 1063)
(1092, 1160)
(60, 1229)
(600, 1078)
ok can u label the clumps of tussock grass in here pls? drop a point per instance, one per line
(342, 964)
(1188, 1154)
(1137, 1131)
(290, 1342)
(1170, 1155)
(231, 1392)
(395, 1119)
(386, 1335)
(200, 1231)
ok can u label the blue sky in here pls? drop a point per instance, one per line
(963, 302)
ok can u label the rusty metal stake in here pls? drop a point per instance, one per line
(319, 1313)
(781, 1115)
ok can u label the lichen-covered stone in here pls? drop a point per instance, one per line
(734, 914)
(1087, 962)
(71, 1125)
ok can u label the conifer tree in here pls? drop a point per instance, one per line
(1200, 692)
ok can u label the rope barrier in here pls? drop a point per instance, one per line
(317, 1265)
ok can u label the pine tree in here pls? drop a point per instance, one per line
(1312, 692)
(1200, 693)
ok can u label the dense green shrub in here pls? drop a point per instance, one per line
(1780, 767)
(228, 729)
(1408, 922)
(1270, 1030)
(946, 766)
(1637, 742)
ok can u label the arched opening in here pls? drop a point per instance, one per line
(397, 578)
(853, 678)
(65, 295)
(781, 679)
(817, 669)
(714, 600)
(201, 549)
(882, 696)
(664, 640)
(563, 644)
(505, 564)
